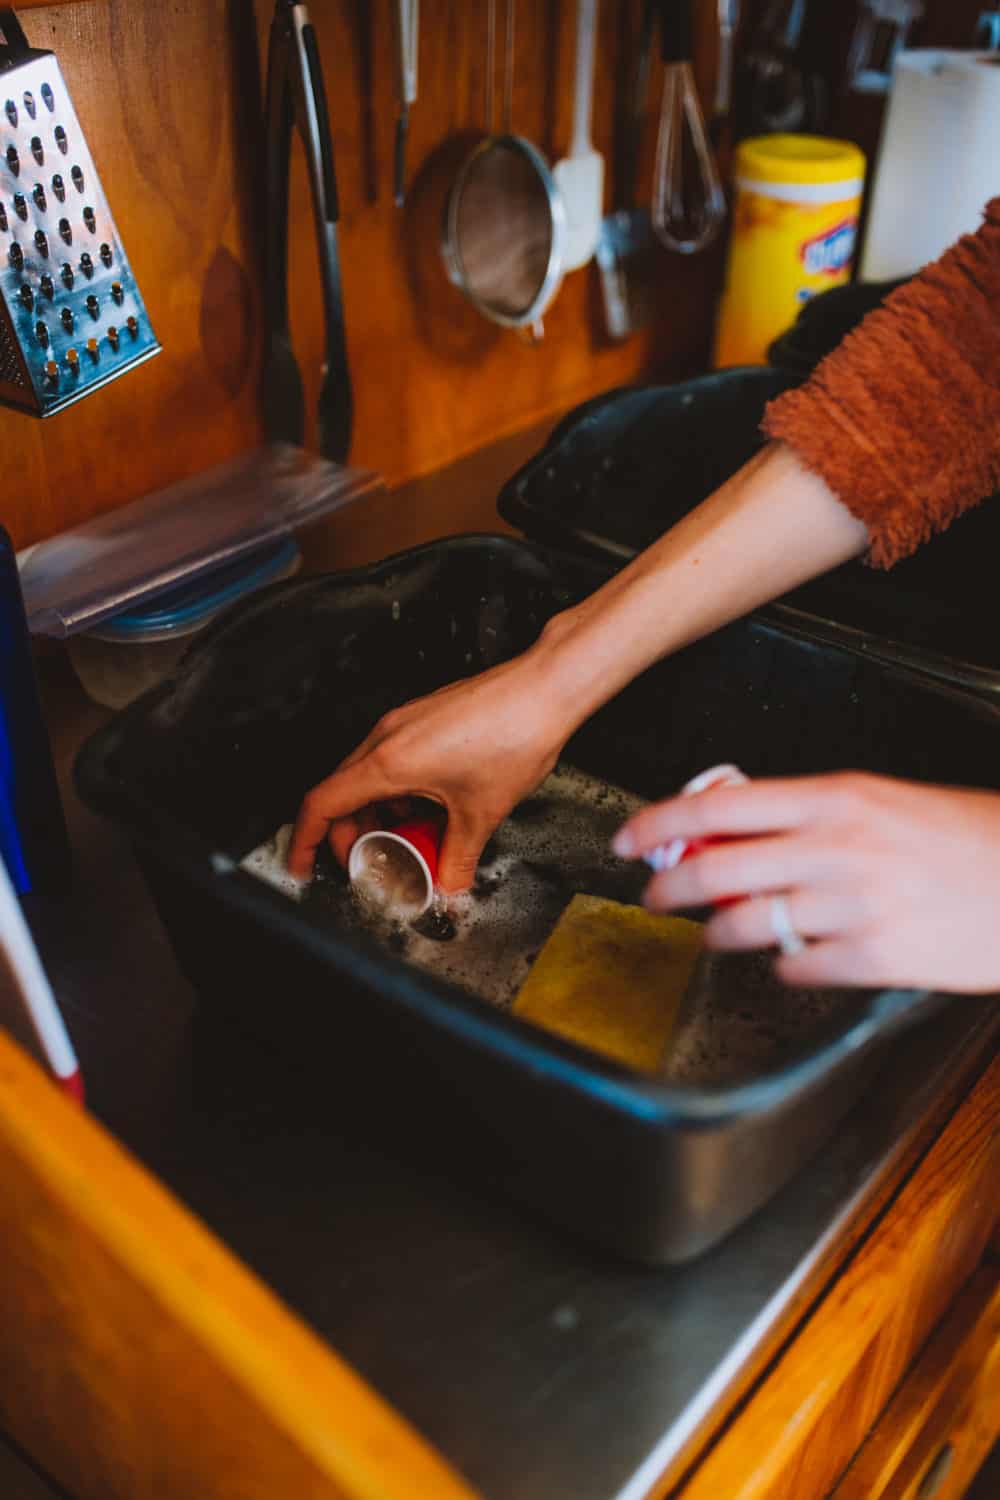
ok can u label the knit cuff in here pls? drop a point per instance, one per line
(902, 420)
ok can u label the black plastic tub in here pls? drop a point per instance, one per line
(619, 471)
(623, 467)
(940, 601)
(824, 321)
(202, 768)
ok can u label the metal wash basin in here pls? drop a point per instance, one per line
(203, 768)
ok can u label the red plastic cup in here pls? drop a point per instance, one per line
(669, 856)
(424, 837)
(397, 867)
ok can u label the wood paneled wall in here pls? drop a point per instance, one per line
(169, 95)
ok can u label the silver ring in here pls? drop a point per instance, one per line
(787, 938)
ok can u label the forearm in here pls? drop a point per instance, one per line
(771, 527)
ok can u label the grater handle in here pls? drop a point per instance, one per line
(15, 44)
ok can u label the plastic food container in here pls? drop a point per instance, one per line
(137, 649)
(210, 764)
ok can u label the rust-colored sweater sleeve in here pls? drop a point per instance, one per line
(902, 420)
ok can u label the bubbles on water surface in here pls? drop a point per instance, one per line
(553, 845)
(268, 862)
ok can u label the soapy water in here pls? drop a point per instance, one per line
(737, 1019)
(268, 862)
(553, 845)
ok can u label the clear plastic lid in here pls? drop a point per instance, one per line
(124, 559)
(185, 609)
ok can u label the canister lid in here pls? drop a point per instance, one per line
(799, 159)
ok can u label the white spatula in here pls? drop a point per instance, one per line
(580, 175)
(28, 1007)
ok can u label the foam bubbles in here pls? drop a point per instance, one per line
(737, 1019)
(267, 862)
(553, 845)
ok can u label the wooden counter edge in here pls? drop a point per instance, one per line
(138, 1349)
(812, 1410)
(946, 1415)
(837, 1253)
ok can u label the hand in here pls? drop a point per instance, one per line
(477, 747)
(890, 883)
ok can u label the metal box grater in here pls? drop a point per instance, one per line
(71, 315)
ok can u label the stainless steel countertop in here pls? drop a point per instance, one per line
(539, 1367)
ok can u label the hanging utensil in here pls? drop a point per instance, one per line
(773, 91)
(987, 34)
(728, 12)
(580, 175)
(686, 215)
(296, 97)
(28, 1008)
(505, 226)
(881, 32)
(626, 235)
(407, 18)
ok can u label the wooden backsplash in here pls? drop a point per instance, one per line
(169, 95)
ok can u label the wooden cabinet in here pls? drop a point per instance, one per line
(829, 1387)
(135, 1346)
(943, 1420)
(140, 1359)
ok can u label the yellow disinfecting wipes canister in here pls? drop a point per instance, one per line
(795, 220)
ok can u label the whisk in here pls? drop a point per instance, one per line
(686, 214)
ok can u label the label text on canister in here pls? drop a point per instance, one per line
(829, 253)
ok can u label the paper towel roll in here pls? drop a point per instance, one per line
(938, 162)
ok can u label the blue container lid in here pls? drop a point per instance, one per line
(190, 603)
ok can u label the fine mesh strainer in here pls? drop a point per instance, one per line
(505, 223)
(71, 315)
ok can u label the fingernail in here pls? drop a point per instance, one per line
(623, 843)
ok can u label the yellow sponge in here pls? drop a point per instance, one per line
(612, 977)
